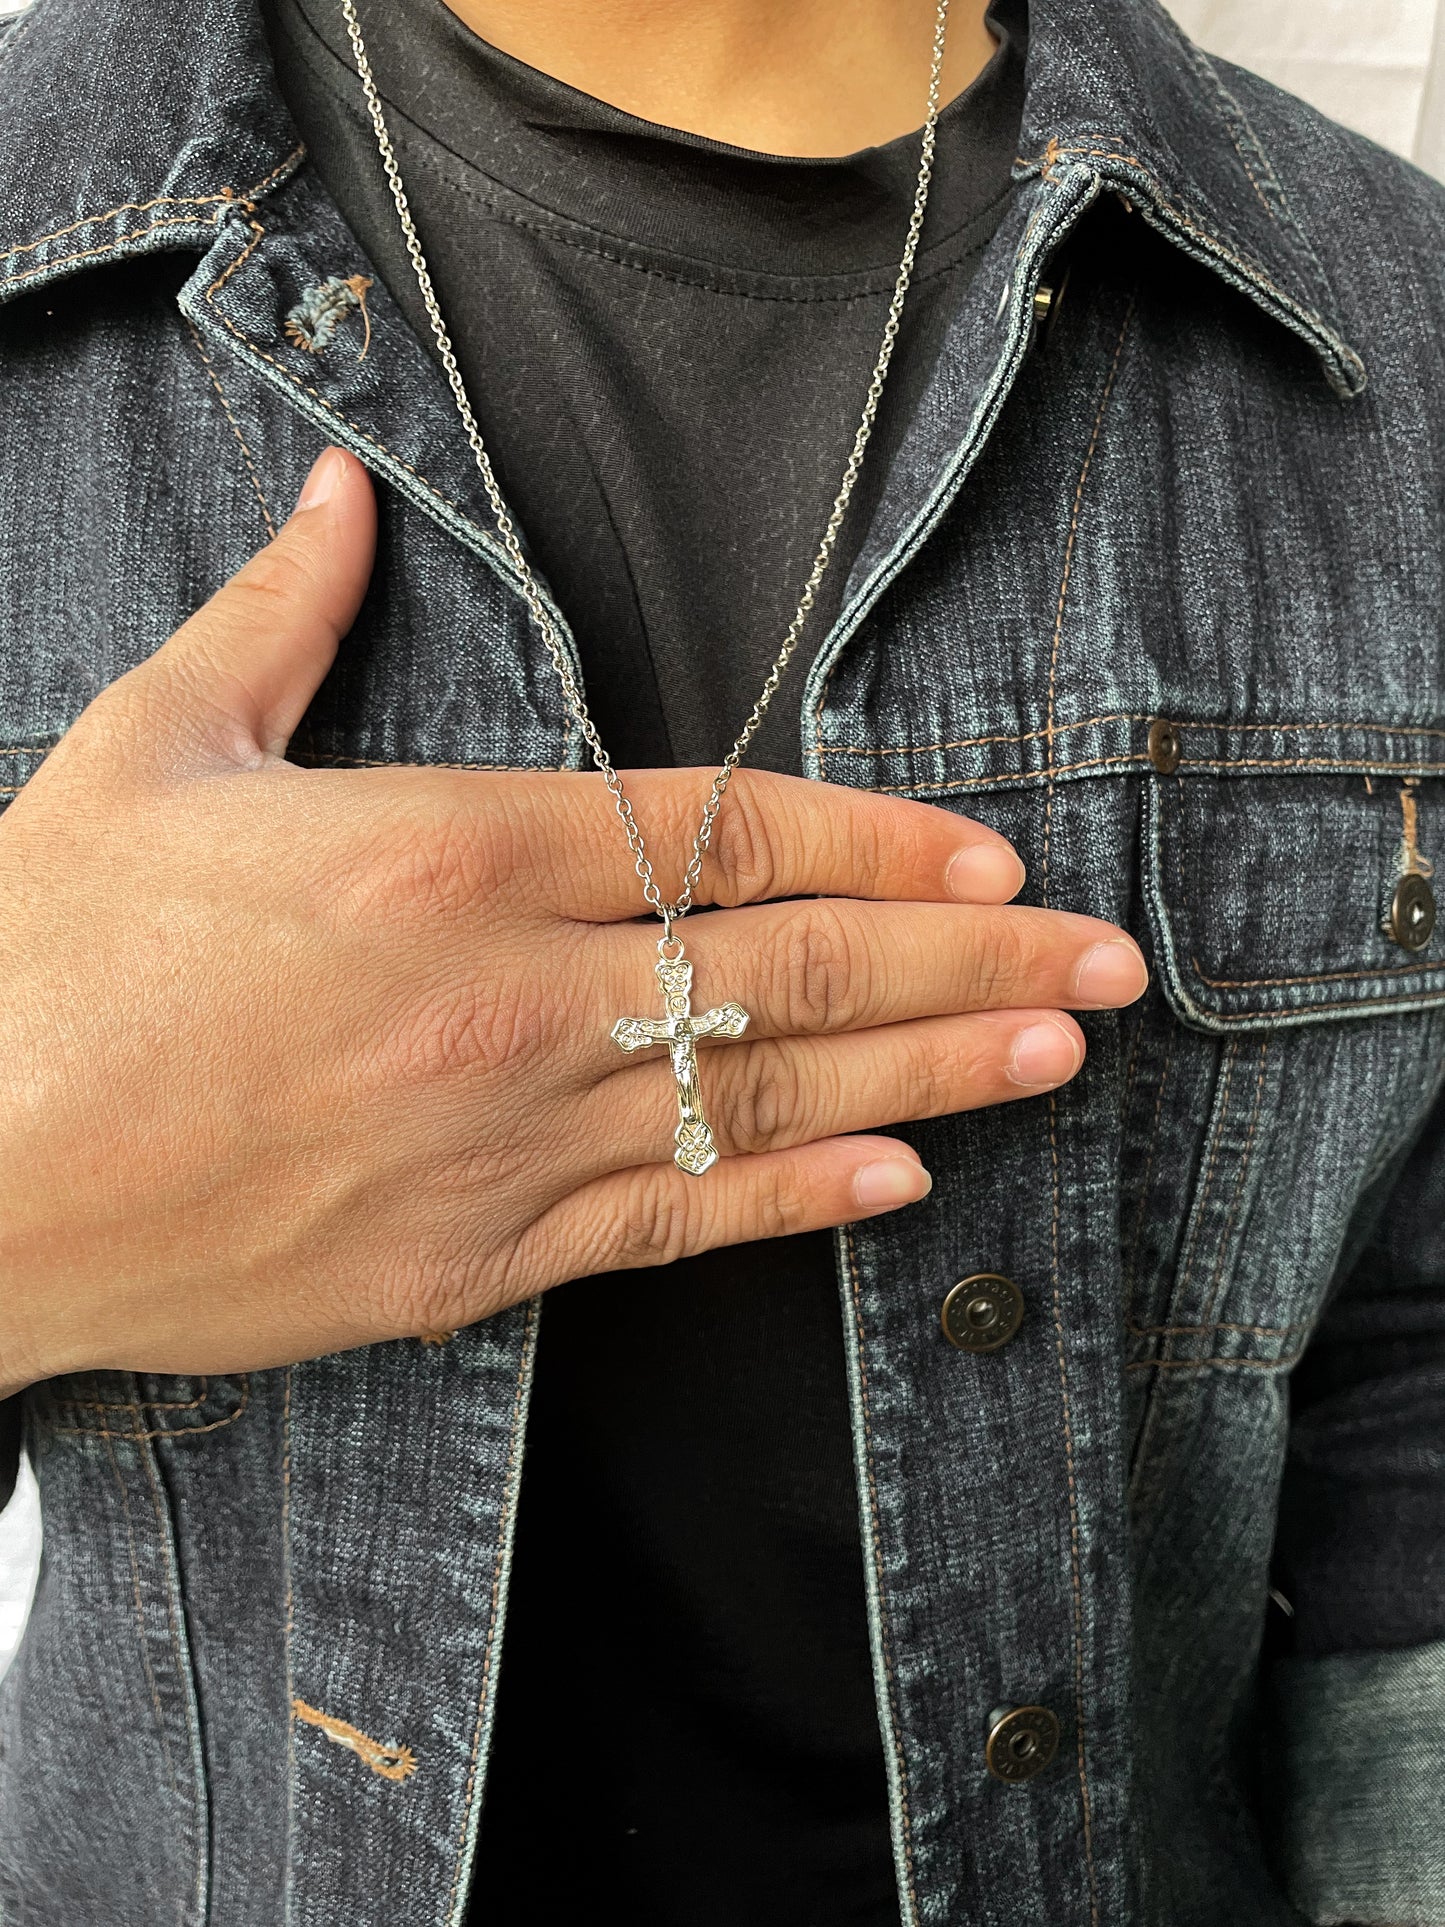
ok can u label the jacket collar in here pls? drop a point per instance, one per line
(138, 126)
(132, 126)
(1119, 92)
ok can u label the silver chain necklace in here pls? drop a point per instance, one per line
(694, 1150)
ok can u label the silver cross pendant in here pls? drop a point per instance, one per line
(695, 1150)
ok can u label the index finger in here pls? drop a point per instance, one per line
(775, 836)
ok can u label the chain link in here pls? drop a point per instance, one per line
(674, 911)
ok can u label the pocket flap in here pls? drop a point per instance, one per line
(1293, 899)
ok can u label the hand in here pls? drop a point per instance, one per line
(293, 1060)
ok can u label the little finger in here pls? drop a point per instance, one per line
(655, 1214)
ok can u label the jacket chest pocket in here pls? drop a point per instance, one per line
(1287, 1055)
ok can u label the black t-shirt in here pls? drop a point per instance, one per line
(667, 342)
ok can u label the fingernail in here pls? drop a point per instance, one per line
(985, 873)
(321, 484)
(1044, 1055)
(891, 1182)
(1111, 973)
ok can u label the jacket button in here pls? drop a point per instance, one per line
(983, 1312)
(1166, 750)
(1412, 912)
(1021, 1743)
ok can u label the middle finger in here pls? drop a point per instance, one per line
(822, 965)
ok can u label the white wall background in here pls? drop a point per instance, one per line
(1376, 65)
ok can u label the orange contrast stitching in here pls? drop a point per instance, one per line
(226, 194)
(1411, 861)
(235, 430)
(1216, 1364)
(144, 1642)
(394, 1763)
(92, 254)
(873, 1509)
(1324, 977)
(1075, 1579)
(1218, 1280)
(1210, 241)
(1131, 716)
(1131, 1263)
(1201, 763)
(1355, 1003)
(1221, 1120)
(1075, 1582)
(164, 1538)
(257, 235)
(126, 207)
(1048, 772)
(1306, 762)
(131, 1404)
(282, 167)
(1201, 1331)
(1069, 570)
(177, 1433)
(979, 742)
(511, 1488)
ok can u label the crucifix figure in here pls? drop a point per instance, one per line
(680, 1030)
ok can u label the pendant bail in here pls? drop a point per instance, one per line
(666, 941)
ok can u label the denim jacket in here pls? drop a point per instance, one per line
(1155, 589)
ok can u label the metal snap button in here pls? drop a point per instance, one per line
(1166, 748)
(983, 1312)
(1021, 1743)
(1411, 921)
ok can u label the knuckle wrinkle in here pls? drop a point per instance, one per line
(744, 847)
(823, 980)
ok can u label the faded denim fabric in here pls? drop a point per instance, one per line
(259, 1679)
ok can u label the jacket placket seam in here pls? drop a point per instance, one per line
(1061, 1354)
(885, 1630)
(141, 1630)
(1131, 1260)
(511, 1490)
(1227, 1235)
(180, 1650)
(246, 454)
(1201, 1213)
(998, 386)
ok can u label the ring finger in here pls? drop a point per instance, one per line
(777, 1092)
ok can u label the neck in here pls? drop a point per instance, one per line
(805, 77)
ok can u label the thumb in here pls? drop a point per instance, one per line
(235, 679)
